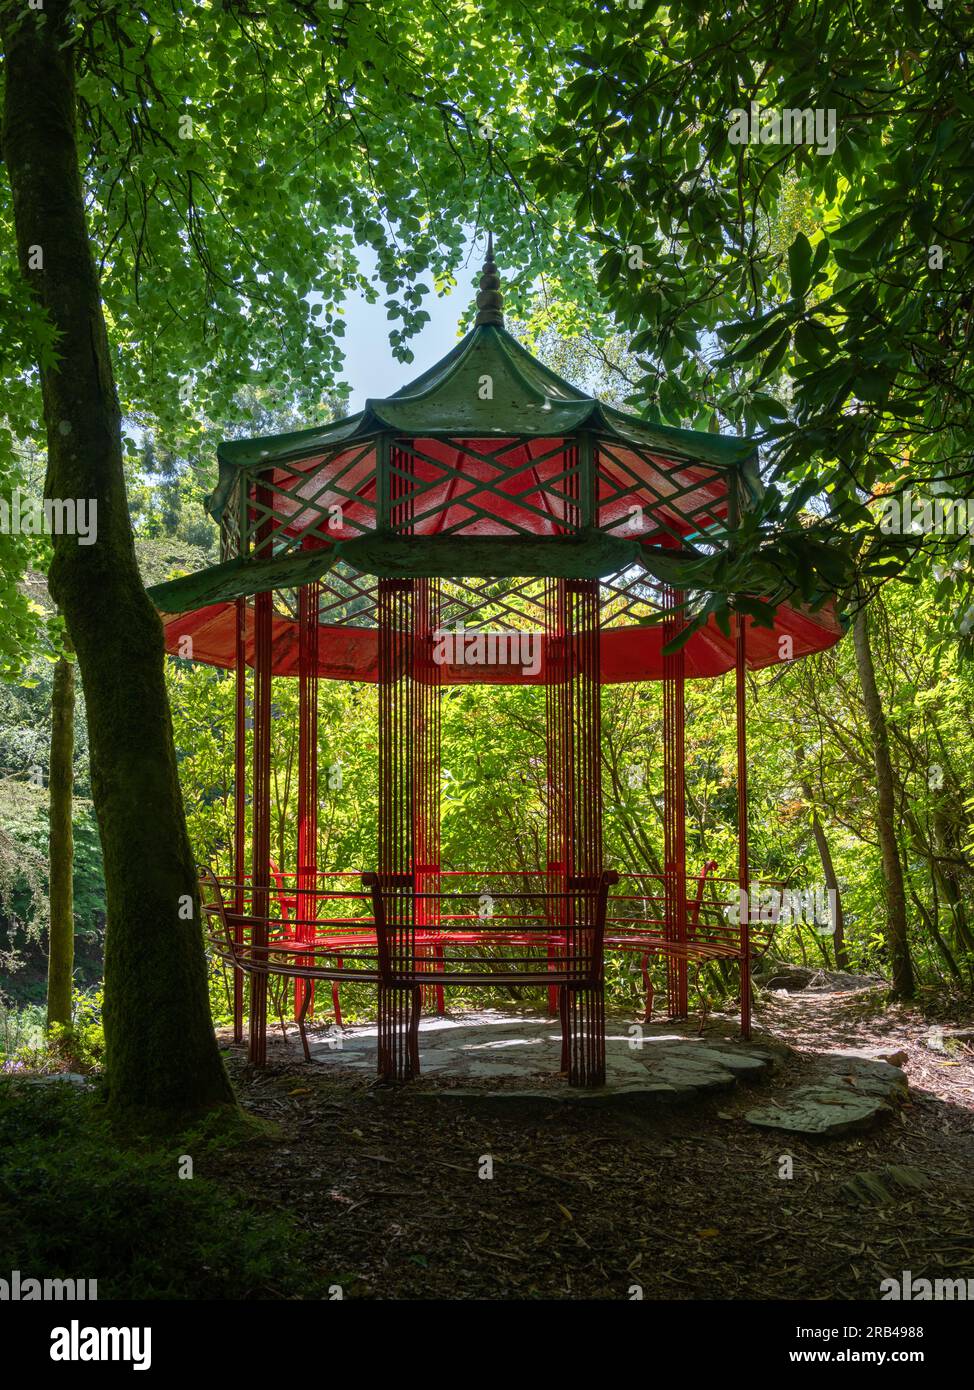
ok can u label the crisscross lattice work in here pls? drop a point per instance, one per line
(349, 599)
(511, 487)
(330, 497)
(652, 497)
(516, 486)
(487, 487)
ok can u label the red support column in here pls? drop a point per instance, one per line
(399, 1000)
(261, 848)
(674, 806)
(239, 803)
(409, 777)
(743, 871)
(556, 780)
(261, 873)
(307, 865)
(573, 708)
(428, 680)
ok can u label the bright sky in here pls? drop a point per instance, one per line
(370, 368)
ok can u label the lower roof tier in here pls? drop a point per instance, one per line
(628, 654)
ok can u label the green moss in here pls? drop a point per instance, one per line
(78, 1198)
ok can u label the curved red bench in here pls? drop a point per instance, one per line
(337, 949)
(388, 957)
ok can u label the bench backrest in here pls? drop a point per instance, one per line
(587, 895)
(286, 900)
(211, 897)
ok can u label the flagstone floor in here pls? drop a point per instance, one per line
(515, 1054)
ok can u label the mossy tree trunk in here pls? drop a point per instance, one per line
(160, 1050)
(947, 859)
(831, 885)
(828, 866)
(60, 956)
(901, 965)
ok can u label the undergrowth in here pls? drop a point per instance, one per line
(77, 1202)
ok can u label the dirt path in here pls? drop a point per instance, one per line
(684, 1202)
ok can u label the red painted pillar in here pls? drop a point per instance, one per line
(261, 847)
(743, 871)
(427, 763)
(557, 800)
(307, 864)
(240, 803)
(674, 806)
(399, 1000)
(573, 714)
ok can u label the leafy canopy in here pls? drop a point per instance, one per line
(820, 299)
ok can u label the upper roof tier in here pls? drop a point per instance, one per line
(490, 444)
(501, 467)
(488, 471)
(487, 387)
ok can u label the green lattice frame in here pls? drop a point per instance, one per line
(595, 474)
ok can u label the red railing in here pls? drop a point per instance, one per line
(634, 921)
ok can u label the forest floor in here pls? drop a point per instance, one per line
(685, 1202)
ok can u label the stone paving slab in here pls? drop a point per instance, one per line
(644, 1063)
(855, 1095)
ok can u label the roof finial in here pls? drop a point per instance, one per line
(490, 301)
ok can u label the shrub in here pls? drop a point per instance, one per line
(77, 1203)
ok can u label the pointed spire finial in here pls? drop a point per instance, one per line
(490, 301)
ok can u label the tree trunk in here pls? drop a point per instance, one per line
(947, 853)
(60, 958)
(831, 880)
(896, 938)
(160, 1049)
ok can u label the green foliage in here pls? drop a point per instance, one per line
(23, 896)
(30, 1046)
(81, 1046)
(75, 1202)
(377, 122)
(21, 1034)
(223, 285)
(818, 298)
(23, 891)
(777, 291)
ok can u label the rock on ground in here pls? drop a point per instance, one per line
(857, 1093)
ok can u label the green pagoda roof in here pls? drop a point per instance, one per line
(488, 386)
